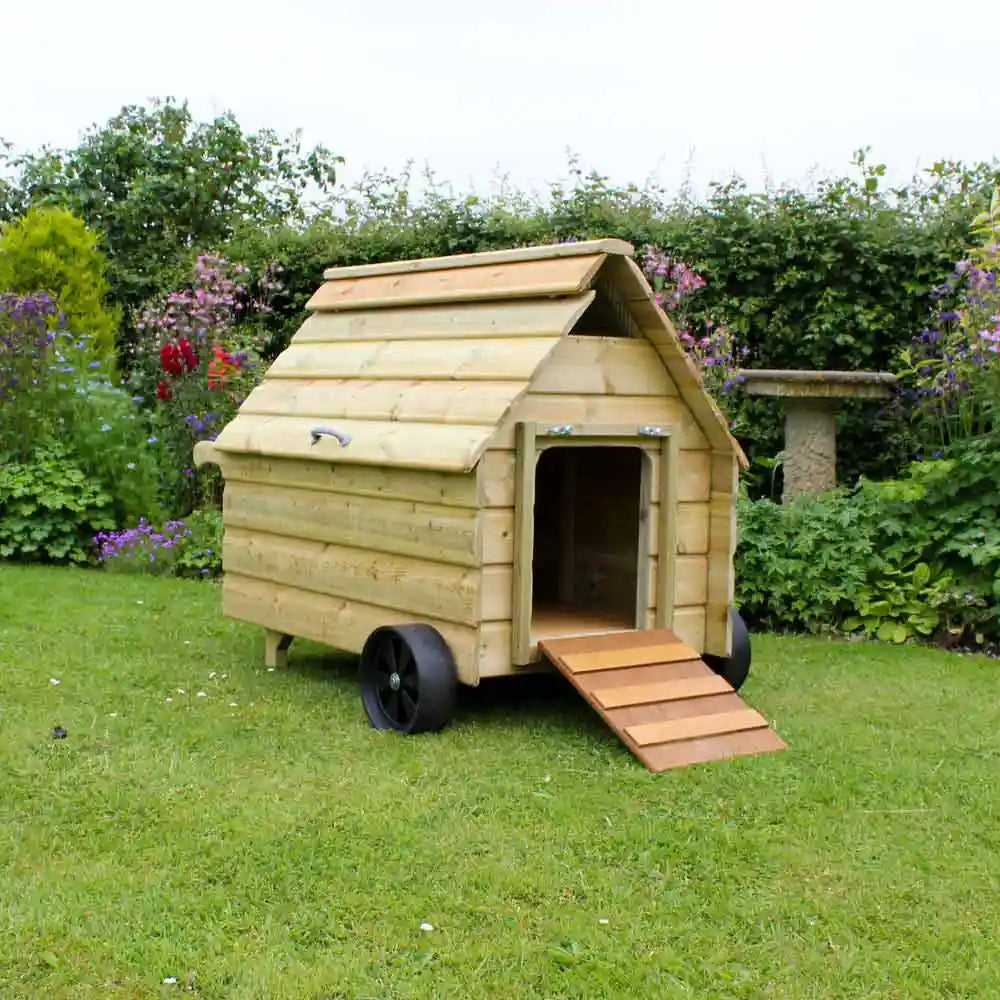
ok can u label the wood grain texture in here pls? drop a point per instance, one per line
(633, 411)
(485, 258)
(664, 595)
(518, 279)
(689, 624)
(666, 713)
(495, 359)
(754, 742)
(690, 580)
(409, 401)
(450, 489)
(389, 444)
(598, 366)
(673, 711)
(405, 584)
(721, 553)
(632, 656)
(496, 593)
(696, 727)
(456, 320)
(692, 528)
(522, 516)
(423, 531)
(337, 622)
(694, 480)
(662, 690)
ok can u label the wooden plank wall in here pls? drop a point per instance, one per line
(329, 552)
(610, 381)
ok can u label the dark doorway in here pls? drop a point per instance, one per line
(585, 570)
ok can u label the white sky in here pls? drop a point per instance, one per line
(637, 89)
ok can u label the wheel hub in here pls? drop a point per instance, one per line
(395, 681)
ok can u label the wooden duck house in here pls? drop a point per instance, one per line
(471, 466)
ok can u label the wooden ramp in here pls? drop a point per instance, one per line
(662, 700)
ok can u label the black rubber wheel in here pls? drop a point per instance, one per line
(408, 678)
(736, 666)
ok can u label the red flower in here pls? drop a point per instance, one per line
(174, 358)
(163, 391)
(170, 359)
(187, 353)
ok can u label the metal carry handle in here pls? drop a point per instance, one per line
(317, 432)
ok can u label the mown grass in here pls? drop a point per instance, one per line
(261, 841)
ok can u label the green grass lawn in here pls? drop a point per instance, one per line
(261, 841)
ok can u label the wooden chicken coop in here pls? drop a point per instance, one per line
(473, 466)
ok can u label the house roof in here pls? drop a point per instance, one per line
(417, 362)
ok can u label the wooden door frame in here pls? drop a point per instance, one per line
(657, 443)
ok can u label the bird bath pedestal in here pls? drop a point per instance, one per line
(811, 400)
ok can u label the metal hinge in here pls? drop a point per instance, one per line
(564, 430)
(658, 432)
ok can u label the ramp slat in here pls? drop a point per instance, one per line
(661, 699)
(641, 694)
(610, 659)
(690, 729)
(665, 756)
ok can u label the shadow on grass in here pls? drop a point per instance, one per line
(544, 698)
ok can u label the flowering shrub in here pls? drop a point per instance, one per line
(716, 352)
(193, 364)
(50, 249)
(189, 548)
(952, 373)
(29, 326)
(53, 391)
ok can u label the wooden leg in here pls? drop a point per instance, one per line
(276, 648)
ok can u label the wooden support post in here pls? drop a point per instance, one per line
(524, 543)
(276, 648)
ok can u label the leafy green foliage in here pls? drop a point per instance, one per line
(917, 557)
(50, 509)
(839, 275)
(52, 395)
(160, 188)
(200, 552)
(51, 250)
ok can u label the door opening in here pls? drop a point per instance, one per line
(585, 565)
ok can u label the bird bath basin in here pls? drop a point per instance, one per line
(811, 400)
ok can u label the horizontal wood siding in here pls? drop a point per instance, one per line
(345, 624)
(468, 320)
(410, 401)
(483, 258)
(598, 366)
(492, 359)
(388, 443)
(637, 411)
(410, 586)
(520, 279)
(449, 489)
(422, 531)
